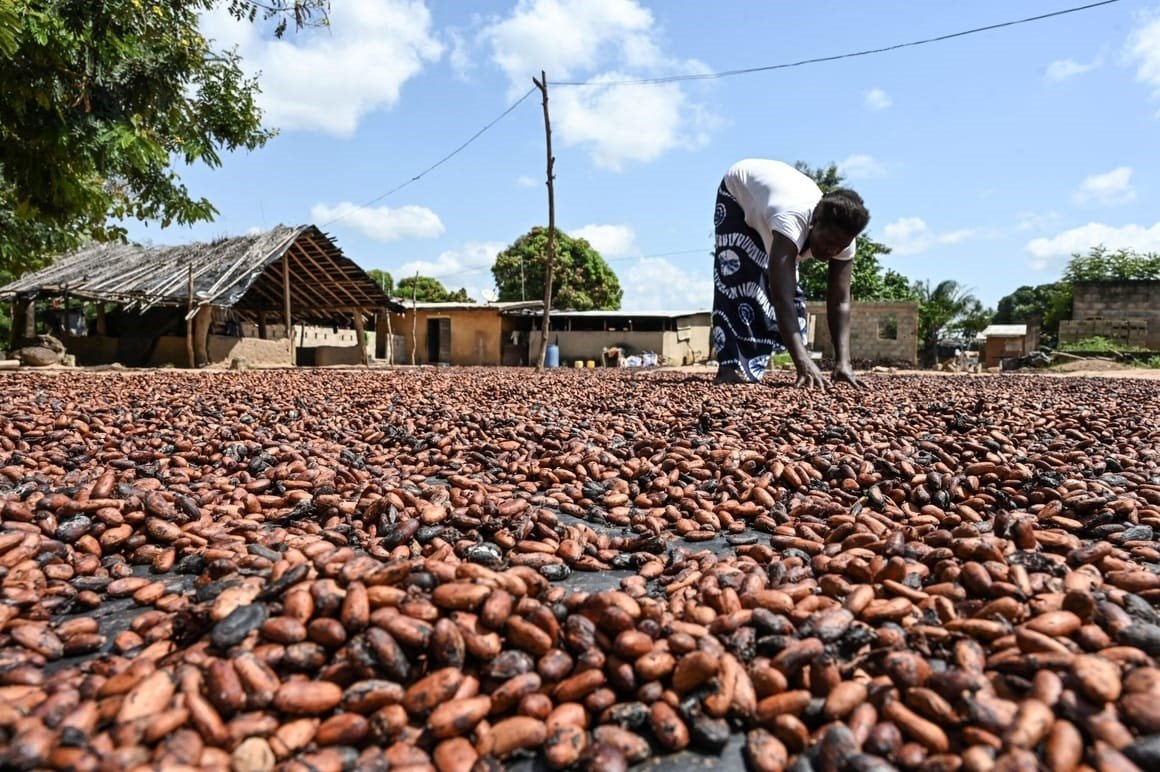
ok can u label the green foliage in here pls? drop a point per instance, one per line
(868, 281)
(384, 279)
(1049, 302)
(1099, 343)
(1102, 264)
(581, 280)
(306, 13)
(425, 289)
(101, 101)
(945, 307)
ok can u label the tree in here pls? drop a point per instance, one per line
(1101, 264)
(382, 278)
(946, 306)
(582, 281)
(102, 101)
(1050, 303)
(867, 281)
(428, 290)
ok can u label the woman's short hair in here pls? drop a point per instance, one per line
(843, 210)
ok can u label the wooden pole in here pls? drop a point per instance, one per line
(188, 322)
(542, 84)
(286, 306)
(102, 323)
(414, 318)
(360, 335)
(390, 340)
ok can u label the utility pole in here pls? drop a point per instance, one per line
(414, 317)
(542, 85)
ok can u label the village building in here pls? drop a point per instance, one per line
(880, 332)
(455, 333)
(1126, 313)
(250, 298)
(616, 338)
(1007, 341)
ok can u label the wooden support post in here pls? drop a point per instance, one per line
(414, 318)
(261, 325)
(202, 322)
(102, 323)
(286, 307)
(360, 336)
(23, 320)
(390, 340)
(542, 84)
(191, 358)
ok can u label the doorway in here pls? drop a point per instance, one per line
(439, 340)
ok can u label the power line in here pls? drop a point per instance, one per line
(435, 165)
(835, 57)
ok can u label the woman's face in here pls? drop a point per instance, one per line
(827, 243)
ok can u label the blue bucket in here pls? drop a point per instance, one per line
(552, 356)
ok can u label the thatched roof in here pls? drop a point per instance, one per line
(245, 273)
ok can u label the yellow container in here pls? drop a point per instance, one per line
(591, 364)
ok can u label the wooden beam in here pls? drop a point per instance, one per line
(190, 355)
(360, 336)
(286, 308)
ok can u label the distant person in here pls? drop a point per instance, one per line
(769, 216)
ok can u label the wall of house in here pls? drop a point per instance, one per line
(172, 350)
(999, 347)
(475, 335)
(1116, 300)
(685, 347)
(1126, 312)
(91, 350)
(871, 325)
(1141, 333)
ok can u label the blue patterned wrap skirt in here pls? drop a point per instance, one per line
(745, 332)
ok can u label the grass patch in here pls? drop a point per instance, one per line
(1097, 343)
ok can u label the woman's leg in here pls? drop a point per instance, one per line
(744, 327)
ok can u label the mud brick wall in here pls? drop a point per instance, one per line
(871, 325)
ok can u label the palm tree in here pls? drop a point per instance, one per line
(947, 305)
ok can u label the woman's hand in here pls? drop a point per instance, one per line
(809, 376)
(844, 373)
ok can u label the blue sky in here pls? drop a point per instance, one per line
(987, 159)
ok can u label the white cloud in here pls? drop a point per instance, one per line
(1062, 69)
(632, 124)
(564, 37)
(1045, 251)
(460, 56)
(328, 79)
(526, 182)
(468, 266)
(1143, 50)
(860, 166)
(1035, 221)
(1108, 189)
(877, 99)
(383, 223)
(611, 241)
(911, 235)
(598, 41)
(655, 284)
